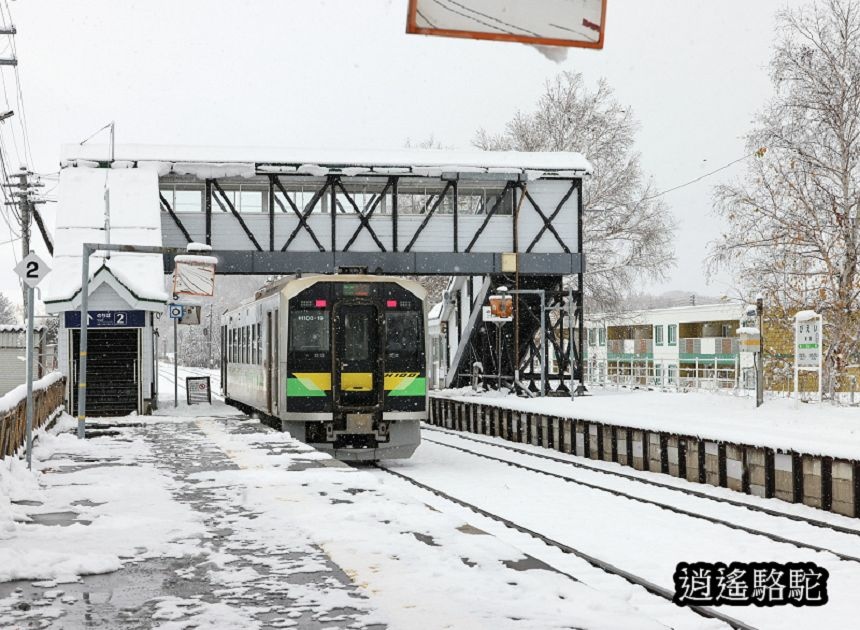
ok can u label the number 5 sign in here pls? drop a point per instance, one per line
(32, 270)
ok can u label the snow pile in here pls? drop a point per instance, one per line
(803, 316)
(135, 219)
(175, 613)
(748, 330)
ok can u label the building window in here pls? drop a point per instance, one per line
(673, 334)
(601, 336)
(658, 335)
(591, 336)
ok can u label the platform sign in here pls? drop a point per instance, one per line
(175, 311)
(198, 390)
(191, 315)
(107, 319)
(32, 270)
(807, 343)
(808, 338)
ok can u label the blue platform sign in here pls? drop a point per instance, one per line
(107, 319)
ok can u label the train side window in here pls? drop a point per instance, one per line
(403, 332)
(309, 331)
(252, 344)
(259, 343)
(243, 345)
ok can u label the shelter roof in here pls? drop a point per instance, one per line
(247, 161)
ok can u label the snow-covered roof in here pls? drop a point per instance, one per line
(687, 313)
(18, 328)
(134, 220)
(247, 161)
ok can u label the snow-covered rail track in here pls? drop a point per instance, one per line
(602, 565)
(664, 506)
(649, 482)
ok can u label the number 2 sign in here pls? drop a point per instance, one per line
(32, 270)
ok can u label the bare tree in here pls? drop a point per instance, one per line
(792, 221)
(628, 232)
(7, 311)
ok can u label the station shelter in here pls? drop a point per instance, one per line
(126, 290)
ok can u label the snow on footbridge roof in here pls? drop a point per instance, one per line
(249, 161)
(134, 220)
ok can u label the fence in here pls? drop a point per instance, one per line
(48, 394)
(817, 480)
(649, 373)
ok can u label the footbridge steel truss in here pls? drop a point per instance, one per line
(513, 218)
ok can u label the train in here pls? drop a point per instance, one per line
(338, 361)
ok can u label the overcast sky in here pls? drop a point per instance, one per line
(343, 73)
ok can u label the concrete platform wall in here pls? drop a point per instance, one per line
(815, 480)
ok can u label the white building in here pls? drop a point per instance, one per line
(685, 346)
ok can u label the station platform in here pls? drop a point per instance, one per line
(217, 521)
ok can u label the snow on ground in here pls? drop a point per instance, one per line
(780, 423)
(643, 539)
(267, 524)
(123, 511)
(421, 567)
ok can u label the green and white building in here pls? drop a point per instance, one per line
(685, 346)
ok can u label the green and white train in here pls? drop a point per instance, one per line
(339, 361)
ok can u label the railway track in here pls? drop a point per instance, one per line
(650, 587)
(649, 482)
(664, 506)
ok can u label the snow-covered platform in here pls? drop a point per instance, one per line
(206, 518)
(794, 451)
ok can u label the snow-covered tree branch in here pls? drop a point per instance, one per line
(628, 233)
(792, 221)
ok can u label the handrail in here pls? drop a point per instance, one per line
(48, 395)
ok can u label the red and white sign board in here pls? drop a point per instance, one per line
(571, 23)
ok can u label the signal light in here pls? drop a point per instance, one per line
(320, 303)
(391, 303)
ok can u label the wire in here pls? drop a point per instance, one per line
(701, 177)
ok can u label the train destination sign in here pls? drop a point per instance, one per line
(107, 319)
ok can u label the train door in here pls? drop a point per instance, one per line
(273, 365)
(224, 354)
(357, 377)
(269, 365)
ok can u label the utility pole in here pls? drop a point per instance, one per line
(26, 208)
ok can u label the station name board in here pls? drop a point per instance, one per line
(107, 319)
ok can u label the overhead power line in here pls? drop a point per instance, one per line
(756, 153)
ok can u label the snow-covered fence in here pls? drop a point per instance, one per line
(814, 479)
(48, 394)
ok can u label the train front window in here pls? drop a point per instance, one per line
(309, 331)
(403, 332)
(356, 335)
